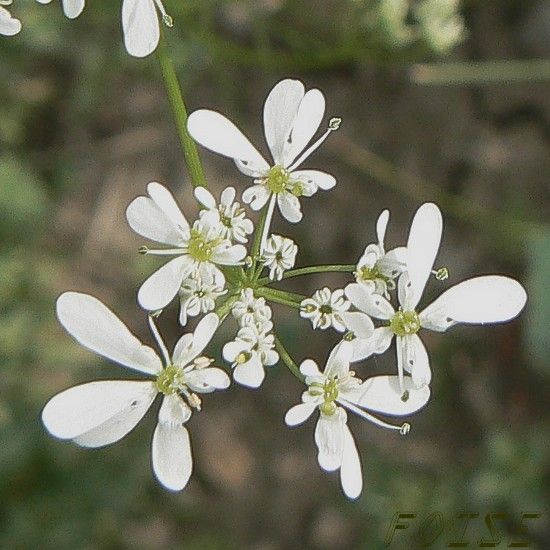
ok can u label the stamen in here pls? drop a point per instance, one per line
(333, 125)
(161, 251)
(370, 417)
(441, 274)
(159, 339)
(267, 223)
(166, 19)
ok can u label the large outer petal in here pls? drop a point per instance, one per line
(280, 110)
(98, 413)
(309, 116)
(351, 476)
(171, 449)
(485, 299)
(73, 8)
(415, 359)
(160, 288)
(96, 327)
(140, 25)
(219, 134)
(422, 248)
(379, 342)
(9, 26)
(329, 438)
(383, 394)
(339, 360)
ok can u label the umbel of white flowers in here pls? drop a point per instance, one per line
(99, 413)
(140, 22)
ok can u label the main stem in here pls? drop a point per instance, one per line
(179, 111)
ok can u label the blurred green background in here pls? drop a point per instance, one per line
(84, 127)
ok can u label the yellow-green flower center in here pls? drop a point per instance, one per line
(405, 323)
(199, 247)
(169, 380)
(277, 179)
(329, 391)
(369, 273)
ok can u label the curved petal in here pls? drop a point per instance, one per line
(351, 476)
(229, 255)
(383, 394)
(339, 360)
(299, 413)
(251, 373)
(368, 302)
(378, 343)
(381, 226)
(171, 449)
(359, 323)
(316, 178)
(329, 438)
(141, 27)
(309, 116)
(289, 205)
(308, 367)
(96, 327)
(415, 360)
(190, 346)
(207, 380)
(219, 134)
(422, 247)
(73, 8)
(205, 197)
(485, 299)
(9, 26)
(164, 199)
(393, 262)
(160, 288)
(98, 413)
(280, 110)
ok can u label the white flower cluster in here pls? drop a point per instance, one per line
(215, 276)
(140, 22)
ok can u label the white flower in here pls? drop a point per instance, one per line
(279, 255)
(198, 295)
(251, 350)
(291, 118)
(102, 412)
(71, 8)
(485, 299)
(140, 24)
(377, 269)
(324, 309)
(337, 385)
(9, 26)
(249, 310)
(198, 249)
(234, 225)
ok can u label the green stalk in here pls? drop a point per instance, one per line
(287, 360)
(258, 241)
(179, 111)
(334, 268)
(282, 297)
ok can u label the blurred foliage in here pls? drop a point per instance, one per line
(486, 448)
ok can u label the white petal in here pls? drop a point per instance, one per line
(251, 373)
(422, 247)
(217, 133)
(188, 348)
(329, 437)
(205, 197)
(359, 323)
(280, 110)
(485, 299)
(309, 367)
(381, 226)
(96, 327)
(207, 380)
(351, 476)
(383, 394)
(73, 8)
(257, 196)
(309, 116)
(378, 343)
(299, 413)
(141, 27)
(339, 360)
(368, 302)
(171, 449)
(289, 205)
(98, 413)
(166, 202)
(393, 262)
(160, 288)
(9, 26)
(227, 196)
(229, 255)
(416, 360)
(320, 180)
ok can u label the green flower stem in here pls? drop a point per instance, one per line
(223, 310)
(280, 297)
(287, 360)
(334, 268)
(179, 111)
(260, 226)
